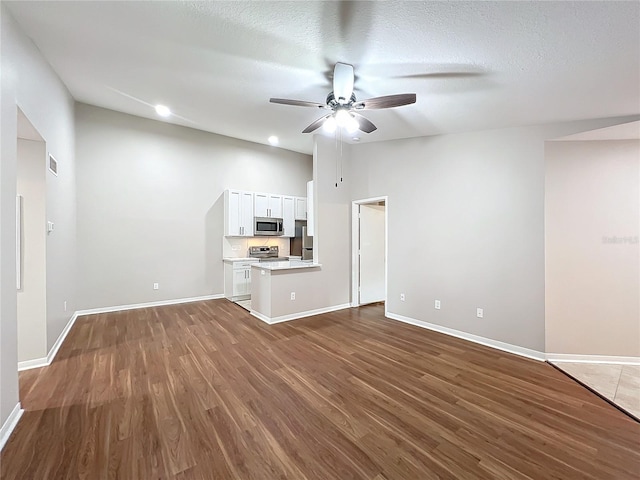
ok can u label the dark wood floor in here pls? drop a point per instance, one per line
(205, 391)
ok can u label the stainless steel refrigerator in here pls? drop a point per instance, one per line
(307, 245)
(302, 244)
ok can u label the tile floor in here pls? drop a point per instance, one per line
(618, 383)
(246, 304)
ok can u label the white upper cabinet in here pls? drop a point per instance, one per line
(267, 205)
(301, 208)
(240, 208)
(238, 213)
(288, 216)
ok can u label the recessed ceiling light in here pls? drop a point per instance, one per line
(163, 111)
(356, 139)
(273, 140)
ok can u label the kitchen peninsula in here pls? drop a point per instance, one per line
(284, 290)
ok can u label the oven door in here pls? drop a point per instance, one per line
(264, 226)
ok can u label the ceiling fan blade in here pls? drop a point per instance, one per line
(364, 124)
(441, 75)
(315, 125)
(297, 103)
(388, 101)
(342, 82)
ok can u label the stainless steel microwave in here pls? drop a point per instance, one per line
(266, 226)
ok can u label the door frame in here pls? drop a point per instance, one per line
(355, 244)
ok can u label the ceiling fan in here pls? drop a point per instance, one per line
(344, 106)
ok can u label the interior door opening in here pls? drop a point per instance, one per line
(369, 251)
(31, 238)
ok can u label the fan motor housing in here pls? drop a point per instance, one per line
(333, 103)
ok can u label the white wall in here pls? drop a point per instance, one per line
(466, 226)
(150, 204)
(28, 80)
(32, 297)
(592, 223)
(329, 286)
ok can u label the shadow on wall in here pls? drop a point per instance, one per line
(214, 230)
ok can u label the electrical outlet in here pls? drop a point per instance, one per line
(437, 304)
(156, 286)
(402, 297)
(479, 312)
(293, 295)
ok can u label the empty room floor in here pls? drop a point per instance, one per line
(618, 383)
(206, 391)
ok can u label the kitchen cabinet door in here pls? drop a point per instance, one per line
(240, 281)
(261, 204)
(246, 214)
(238, 213)
(267, 205)
(301, 208)
(288, 216)
(275, 206)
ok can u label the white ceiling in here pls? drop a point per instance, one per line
(623, 131)
(474, 65)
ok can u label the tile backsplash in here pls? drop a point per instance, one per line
(238, 247)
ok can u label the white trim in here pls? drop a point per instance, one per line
(488, 342)
(571, 358)
(35, 363)
(355, 242)
(56, 346)
(295, 316)
(45, 362)
(355, 258)
(19, 221)
(9, 424)
(160, 303)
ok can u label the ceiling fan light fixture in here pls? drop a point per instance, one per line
(352, 125)
(342, 117)
(330, 125)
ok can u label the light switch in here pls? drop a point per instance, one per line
(50, 227)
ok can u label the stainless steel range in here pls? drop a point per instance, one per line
(266, 254)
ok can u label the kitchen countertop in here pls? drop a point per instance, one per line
(242, 259)
(285, 265)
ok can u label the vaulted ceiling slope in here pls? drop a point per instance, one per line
(473, 65)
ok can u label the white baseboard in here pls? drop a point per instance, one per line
(35, 363)
(65, 331)
(133, 306)
(45, 362)
(10, 424)
(295, 316)
(613, 359)
(488, 342)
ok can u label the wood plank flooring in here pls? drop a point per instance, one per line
(205, 391)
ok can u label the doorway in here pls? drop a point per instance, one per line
(31, 171)
(369, 251)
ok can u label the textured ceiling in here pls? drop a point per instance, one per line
(474, 65)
